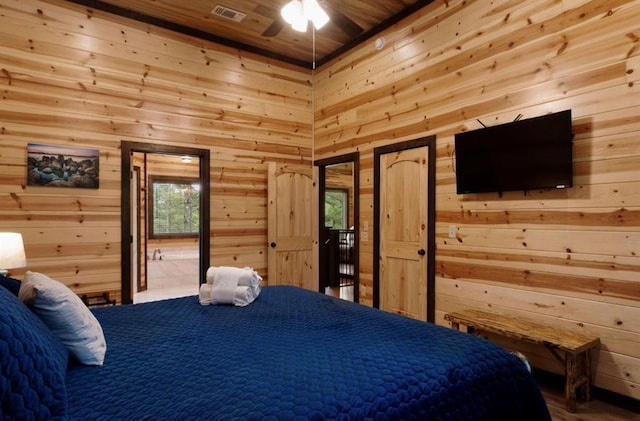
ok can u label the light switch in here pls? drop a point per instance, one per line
(452, 231)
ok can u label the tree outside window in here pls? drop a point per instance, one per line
(336, 208)
(174, 207)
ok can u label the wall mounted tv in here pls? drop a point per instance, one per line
(530, 154)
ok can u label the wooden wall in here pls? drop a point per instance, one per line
(69, 77)
(567, 257)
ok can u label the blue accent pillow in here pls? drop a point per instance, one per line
(11, 284)
(33, 365)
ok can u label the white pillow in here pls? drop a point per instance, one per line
(66, 315)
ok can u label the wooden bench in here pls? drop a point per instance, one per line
(98, 299)
(575, 346)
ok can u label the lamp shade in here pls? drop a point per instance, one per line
(12, 251)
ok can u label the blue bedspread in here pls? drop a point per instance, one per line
(294, 355)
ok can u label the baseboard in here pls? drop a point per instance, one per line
(612, 398)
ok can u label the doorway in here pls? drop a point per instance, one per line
(339, 211)
(404, 228)
(134, 252)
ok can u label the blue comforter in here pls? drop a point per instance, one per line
(294, 355)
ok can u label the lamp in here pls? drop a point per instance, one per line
(297, 12)
(11, 252)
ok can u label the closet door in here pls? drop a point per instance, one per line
(404, 235)
(292, 231)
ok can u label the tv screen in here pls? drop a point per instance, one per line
(535, 153)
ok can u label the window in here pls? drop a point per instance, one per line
(174, 207)
(336, 208)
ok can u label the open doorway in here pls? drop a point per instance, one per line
(165, 216)
(338, 179)
(167, 239)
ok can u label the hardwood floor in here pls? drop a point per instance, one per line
(345, 292)
(596, 410)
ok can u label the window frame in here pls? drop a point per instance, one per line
(163, 179)
(345, 204)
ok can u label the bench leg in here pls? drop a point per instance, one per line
(570, 373)
(586, 388)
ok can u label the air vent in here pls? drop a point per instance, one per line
(227, 13)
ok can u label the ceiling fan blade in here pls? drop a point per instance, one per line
(348, 26)
(275, 28)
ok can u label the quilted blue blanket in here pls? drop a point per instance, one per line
(294, 355)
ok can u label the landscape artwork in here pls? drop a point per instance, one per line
(60, 166)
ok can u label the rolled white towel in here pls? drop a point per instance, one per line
(205, 294)
(249, 278)
(245, 295)
(242, 296)
(223, 291)
(210, 274)
(218, 273)
(243, 276)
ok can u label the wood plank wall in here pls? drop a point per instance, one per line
(69, 77)
(568, 257)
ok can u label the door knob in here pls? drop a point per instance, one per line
(422, 252)
(273, 245)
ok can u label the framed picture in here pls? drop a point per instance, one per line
(61, 166)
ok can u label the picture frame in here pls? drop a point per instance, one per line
(62, 166)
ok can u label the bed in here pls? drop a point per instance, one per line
(293, 354)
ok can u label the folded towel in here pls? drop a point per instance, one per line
(244, 276)
(242, 295)
(245, 295)
(223, 290)
(205, 294)
(211, 274)
(250, 278)
(222, 272)
(230, 285)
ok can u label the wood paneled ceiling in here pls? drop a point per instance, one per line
(262, 30)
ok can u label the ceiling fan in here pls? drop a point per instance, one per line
(297, 6)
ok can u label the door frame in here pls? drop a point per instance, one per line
(322, 165)
(127, 148)
(430, 143)
(137, 232)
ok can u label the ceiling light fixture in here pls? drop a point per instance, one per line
(298, 12)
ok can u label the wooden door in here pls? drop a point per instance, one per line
(292, 236)
(405, 230)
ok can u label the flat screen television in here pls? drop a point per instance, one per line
(530, 154)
